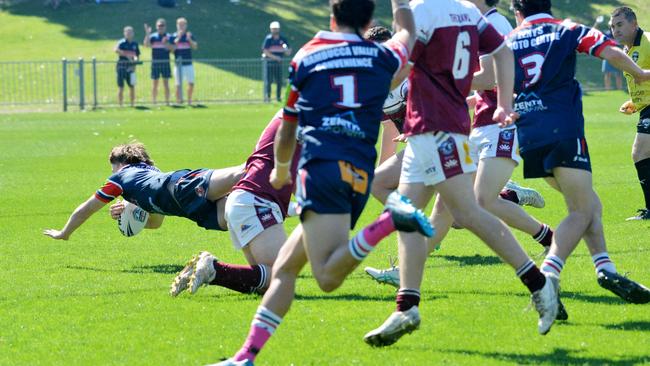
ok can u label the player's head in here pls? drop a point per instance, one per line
(274, 27)
(526, 8)
(484, 5)
(161, 25)
(352, 14)
(128, 32)
(378, 34)
(624, 25)
(131, 153)
(181, 24)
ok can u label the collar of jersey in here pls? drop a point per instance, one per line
(637, 39)
(537, 18)
(336, 36)
(490, 12)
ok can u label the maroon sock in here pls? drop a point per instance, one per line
(244, 279)
(509, 195)
(531, 276)
(544, 236)
(407, 298)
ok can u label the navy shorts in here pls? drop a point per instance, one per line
(569, 153)
(160, 68)
(333, 187)
(190, 192)
(644, 121)
(125, 76)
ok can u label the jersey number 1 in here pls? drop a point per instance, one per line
(347, 85)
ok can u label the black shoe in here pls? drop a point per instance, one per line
(624, 287)
(561, 311)
(642, 214)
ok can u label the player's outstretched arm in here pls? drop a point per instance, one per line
(617, 58)
(404, 23)
(283, 148)
(78, 217)
(504, 61)
(222, 181)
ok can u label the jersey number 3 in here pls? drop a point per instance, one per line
(532, 65)
(347, 85)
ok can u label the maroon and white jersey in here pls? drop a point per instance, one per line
(260, 164)
(486, 100)
(451, 34)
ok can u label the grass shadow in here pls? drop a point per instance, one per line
(156, 268)
(640, 326)
(560, 356)
(472, 260)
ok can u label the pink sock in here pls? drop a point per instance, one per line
(381, 228)
(264, 324)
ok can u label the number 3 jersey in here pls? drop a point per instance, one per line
(451, 35)
(549, 98)
(339, 83)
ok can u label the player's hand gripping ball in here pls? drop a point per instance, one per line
(132, 220)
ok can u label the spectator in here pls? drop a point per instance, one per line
(184, 43)
(609, 70)
(128, 52)
(274, 48)
(160, 49)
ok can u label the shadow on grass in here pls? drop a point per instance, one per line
(472, 260)
(360, 297)
(642, 326)
(558, 356)
(156, 268)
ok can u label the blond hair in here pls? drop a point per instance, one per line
(131, 153)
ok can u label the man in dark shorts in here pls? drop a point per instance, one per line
(274, 48)
(128, 52)
(160, 49)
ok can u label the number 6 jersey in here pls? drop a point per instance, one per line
(549, 98)
(339, 82)
(451, 35)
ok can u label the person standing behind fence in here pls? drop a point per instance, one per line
(274, 48)
(129, 52)
(184, 43)
(160, 48)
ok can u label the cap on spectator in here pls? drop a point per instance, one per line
(274, 25)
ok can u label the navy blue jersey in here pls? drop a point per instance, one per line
(183, 47)
(145, 186)
(339, 83)
(549, 98)
(276, 46)
(159, 43)
(130, 50)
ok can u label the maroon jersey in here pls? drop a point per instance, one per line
(451, 34)
(486, 101)
(260, 164)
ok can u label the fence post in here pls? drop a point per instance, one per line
(179, 75)
(64, 62)
(82, 93)
(94, 83)
(265, 77)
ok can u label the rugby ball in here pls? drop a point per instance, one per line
(132, 220)
(396, 99)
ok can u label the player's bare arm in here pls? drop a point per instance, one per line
(284, 146)
(484, 79)
(628, 108)
(404, 24)
(78, 217)
(623, 62)
(505, 76)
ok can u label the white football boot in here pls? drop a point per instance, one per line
(204, 272)
(546, 303)
(397, 324)
(230, 362)
(388, 276)
(182, 280)
(527, 196)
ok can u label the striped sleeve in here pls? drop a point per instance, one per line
(592, 41)
(489, 39)
(398, 50)
(290, 111)
(109, 191)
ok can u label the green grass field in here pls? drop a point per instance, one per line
(101, 298)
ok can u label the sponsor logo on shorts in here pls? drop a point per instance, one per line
(645, 123)
(199, 191)
(451, 163)
(448, 147)
(450, 158)
(244, 227)
(505, 147)
(508, 134)
(431, 170)
(581, 159)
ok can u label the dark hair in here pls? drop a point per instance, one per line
(355, 14)
(131, 153)
(491, 2)
(626, 11)
(378, 34)
(532, 7)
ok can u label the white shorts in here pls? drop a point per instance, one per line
(188, 74)
(432, 158)
(494, 142)
(248, 215)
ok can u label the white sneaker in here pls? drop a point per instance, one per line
(182, 280)
(527, 196)
(546, 303)
(204, 272)
(388, 276)
(230, 362)
(397, 324)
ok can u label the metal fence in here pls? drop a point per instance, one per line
(88, 84)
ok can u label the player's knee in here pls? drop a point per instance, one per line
(487, 201)
(328, 283)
